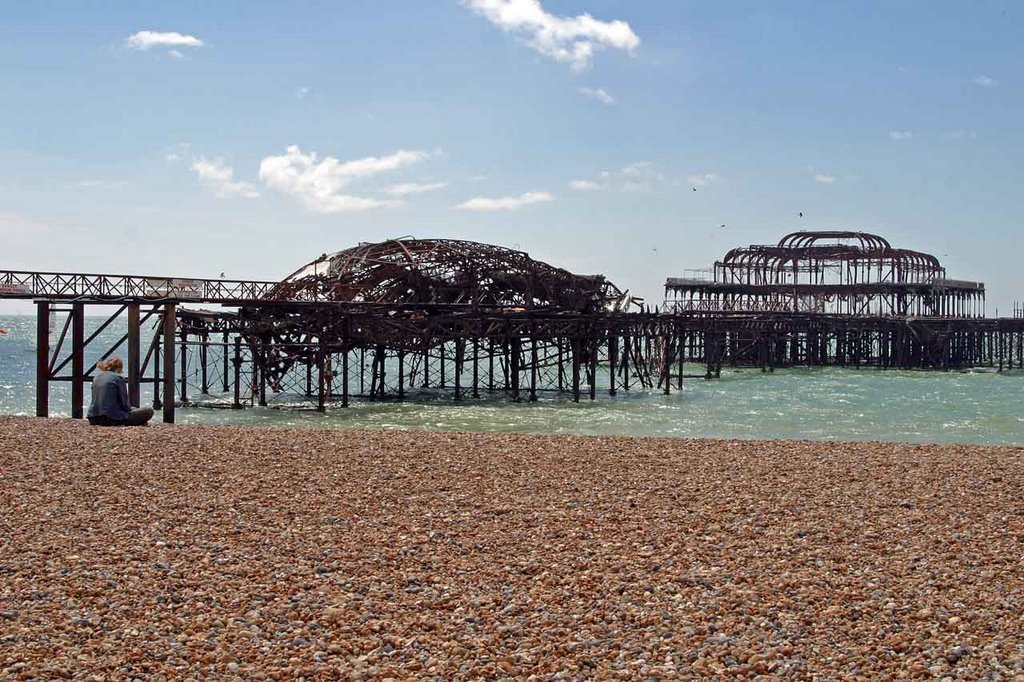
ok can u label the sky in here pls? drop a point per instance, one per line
(636, 139)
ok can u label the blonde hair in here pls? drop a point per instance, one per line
(110, 365)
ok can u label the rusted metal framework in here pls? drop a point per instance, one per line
(837, 273)
(457, 319)
(57, 286)
(446, 272)
(411, 314)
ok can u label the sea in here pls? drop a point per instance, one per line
(974, 406)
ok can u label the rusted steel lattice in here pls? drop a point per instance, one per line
(843, 273)
(380, 320)
(447, 272)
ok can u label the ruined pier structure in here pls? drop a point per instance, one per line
(459, 320)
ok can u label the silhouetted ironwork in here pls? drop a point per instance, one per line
(461, 319)
(842, 273)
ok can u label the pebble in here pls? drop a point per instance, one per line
(177, 552)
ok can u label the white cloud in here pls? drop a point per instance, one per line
(147, 40)
(985, 81)
(317, 184)
(415, 188)
(102, 184)
(825, 179)
(900, 135)
(300, 93)
(176, 54)
(961, 135)
(221, 179)
(639, 176)
(701, 180)
(599, 94)
(571, 40)
(504, 203)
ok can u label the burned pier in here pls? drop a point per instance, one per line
(384, 320)
(460, 320)
(842, 298)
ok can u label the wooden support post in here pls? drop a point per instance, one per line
(42, 359)
(362, 370)
(183, 394)
(426, 364)
(381, 354)
(401, 375)
(576, 370)
(237, 404)
(262, 357)
(157, 352)
(708, 357)
(458, 369)
(533, 369)
(593, 370)
(476, 367)
(321, 373)
(666, 363)
(681, 350)
(344, 377)
(134, 348)
(310, 361)
(558, 361)
(490, 371)
(77, 360)
(625, 362)
(613, 349)
(203, 358)
(516, 352)
(227, 348)
(168, 339)
(444, 373)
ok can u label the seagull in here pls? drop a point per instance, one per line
(222, 275)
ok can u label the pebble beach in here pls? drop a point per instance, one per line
(218, 552)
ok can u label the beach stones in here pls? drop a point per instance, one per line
(182, 552)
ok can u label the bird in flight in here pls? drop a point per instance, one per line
(222, 275)
(722, 225)
(694, 189)
(801, 214)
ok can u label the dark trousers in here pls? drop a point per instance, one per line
(137, 417)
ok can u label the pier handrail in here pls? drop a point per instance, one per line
(58, 286)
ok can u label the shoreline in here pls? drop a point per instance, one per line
(277, 552)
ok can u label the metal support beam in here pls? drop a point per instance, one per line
(134, 348)
(42, 359)
(77, 360)
(168, 340)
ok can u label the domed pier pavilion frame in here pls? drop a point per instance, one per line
(836, 273)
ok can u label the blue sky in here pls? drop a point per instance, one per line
(194, 138)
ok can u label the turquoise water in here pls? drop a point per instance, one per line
(819, 404)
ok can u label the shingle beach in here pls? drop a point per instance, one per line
(177, 552)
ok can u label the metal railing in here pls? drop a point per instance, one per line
(70, 286)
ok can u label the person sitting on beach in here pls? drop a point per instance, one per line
(110, 406)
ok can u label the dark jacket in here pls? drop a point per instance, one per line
(109, 397)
